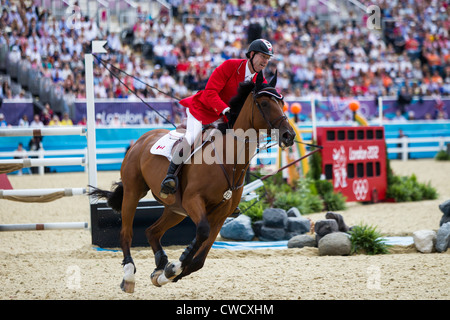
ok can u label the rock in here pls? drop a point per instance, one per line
(272, 234)
(444, 219)
(443, 238)
(324, 227)
(294, 212)
(339, 219)
(298, 225)
(424, 240)
(238, 229)
(335, 244)
(445, 208)
(257, 225)
(275, 218)
(301, 241)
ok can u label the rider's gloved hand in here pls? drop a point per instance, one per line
(227, 113)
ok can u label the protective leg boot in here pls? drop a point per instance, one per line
(170, 182)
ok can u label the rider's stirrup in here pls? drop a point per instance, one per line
(170, 182)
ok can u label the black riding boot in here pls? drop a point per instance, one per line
(170, 182)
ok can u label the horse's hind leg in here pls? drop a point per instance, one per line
(154, 234)
(129, 204)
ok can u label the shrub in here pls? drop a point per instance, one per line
(333, 201)
(366, 239)
(403, 188)
(253, 209)
(442, 156)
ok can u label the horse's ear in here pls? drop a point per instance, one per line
(273, 81)
(259, 80)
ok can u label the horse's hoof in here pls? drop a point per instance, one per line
(172, 269)
(127, 286)
(154, 277)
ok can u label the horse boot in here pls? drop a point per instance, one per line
(170, 183)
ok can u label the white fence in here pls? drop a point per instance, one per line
(404, 147)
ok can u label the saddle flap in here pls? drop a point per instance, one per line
(165, 144)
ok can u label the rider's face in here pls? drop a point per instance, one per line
(260, 61)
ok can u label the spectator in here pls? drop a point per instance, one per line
(99, 120)
(23, 122)
(116, 121)
(20, 153)
(36, 123)
(55, 121)
(35, 144)
(399, 117)
(83, 121)
(66, 121)
(3, 122)
(404, 98)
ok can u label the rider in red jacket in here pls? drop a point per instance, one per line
(211, 104)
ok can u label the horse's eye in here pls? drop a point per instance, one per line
(265, 104)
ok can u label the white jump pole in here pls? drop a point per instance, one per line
(20, 132)
(42, 192)
(46, 162)
(97, 47)
(44, 226)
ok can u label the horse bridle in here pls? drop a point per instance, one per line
(272, 124)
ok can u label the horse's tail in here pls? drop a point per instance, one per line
(113, 198)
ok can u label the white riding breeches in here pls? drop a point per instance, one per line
(193, 128)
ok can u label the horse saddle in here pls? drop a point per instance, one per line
(166, 144)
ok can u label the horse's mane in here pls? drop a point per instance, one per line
(237, 102)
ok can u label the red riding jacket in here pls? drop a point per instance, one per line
(207, 105)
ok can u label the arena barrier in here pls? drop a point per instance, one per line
(106, 225)
(41, 195)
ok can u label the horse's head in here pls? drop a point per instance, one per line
(267, 111)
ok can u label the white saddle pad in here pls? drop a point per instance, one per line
(164, 145)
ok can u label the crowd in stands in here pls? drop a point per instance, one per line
(410, 53)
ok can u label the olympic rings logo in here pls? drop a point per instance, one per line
(360, 189)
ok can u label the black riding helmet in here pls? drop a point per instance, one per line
(260, 45)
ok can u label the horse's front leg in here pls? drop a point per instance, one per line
(154, 234)
(194, 256)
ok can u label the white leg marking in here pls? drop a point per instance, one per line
(128, 270)
(162, 280)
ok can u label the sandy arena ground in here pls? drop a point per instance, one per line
(59, 265)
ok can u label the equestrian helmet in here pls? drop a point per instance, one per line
(260, 45)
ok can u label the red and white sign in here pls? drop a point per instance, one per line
(354, 158)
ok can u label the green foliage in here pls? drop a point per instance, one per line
(403, 189)
(334, 201)
(366, 239)
(315, 166)
(442, 156)
(254, 209)
(310, 200)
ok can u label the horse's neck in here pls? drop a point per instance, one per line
(245, 137)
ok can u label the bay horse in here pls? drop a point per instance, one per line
(207, 193)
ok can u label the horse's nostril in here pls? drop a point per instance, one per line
(288, 138)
